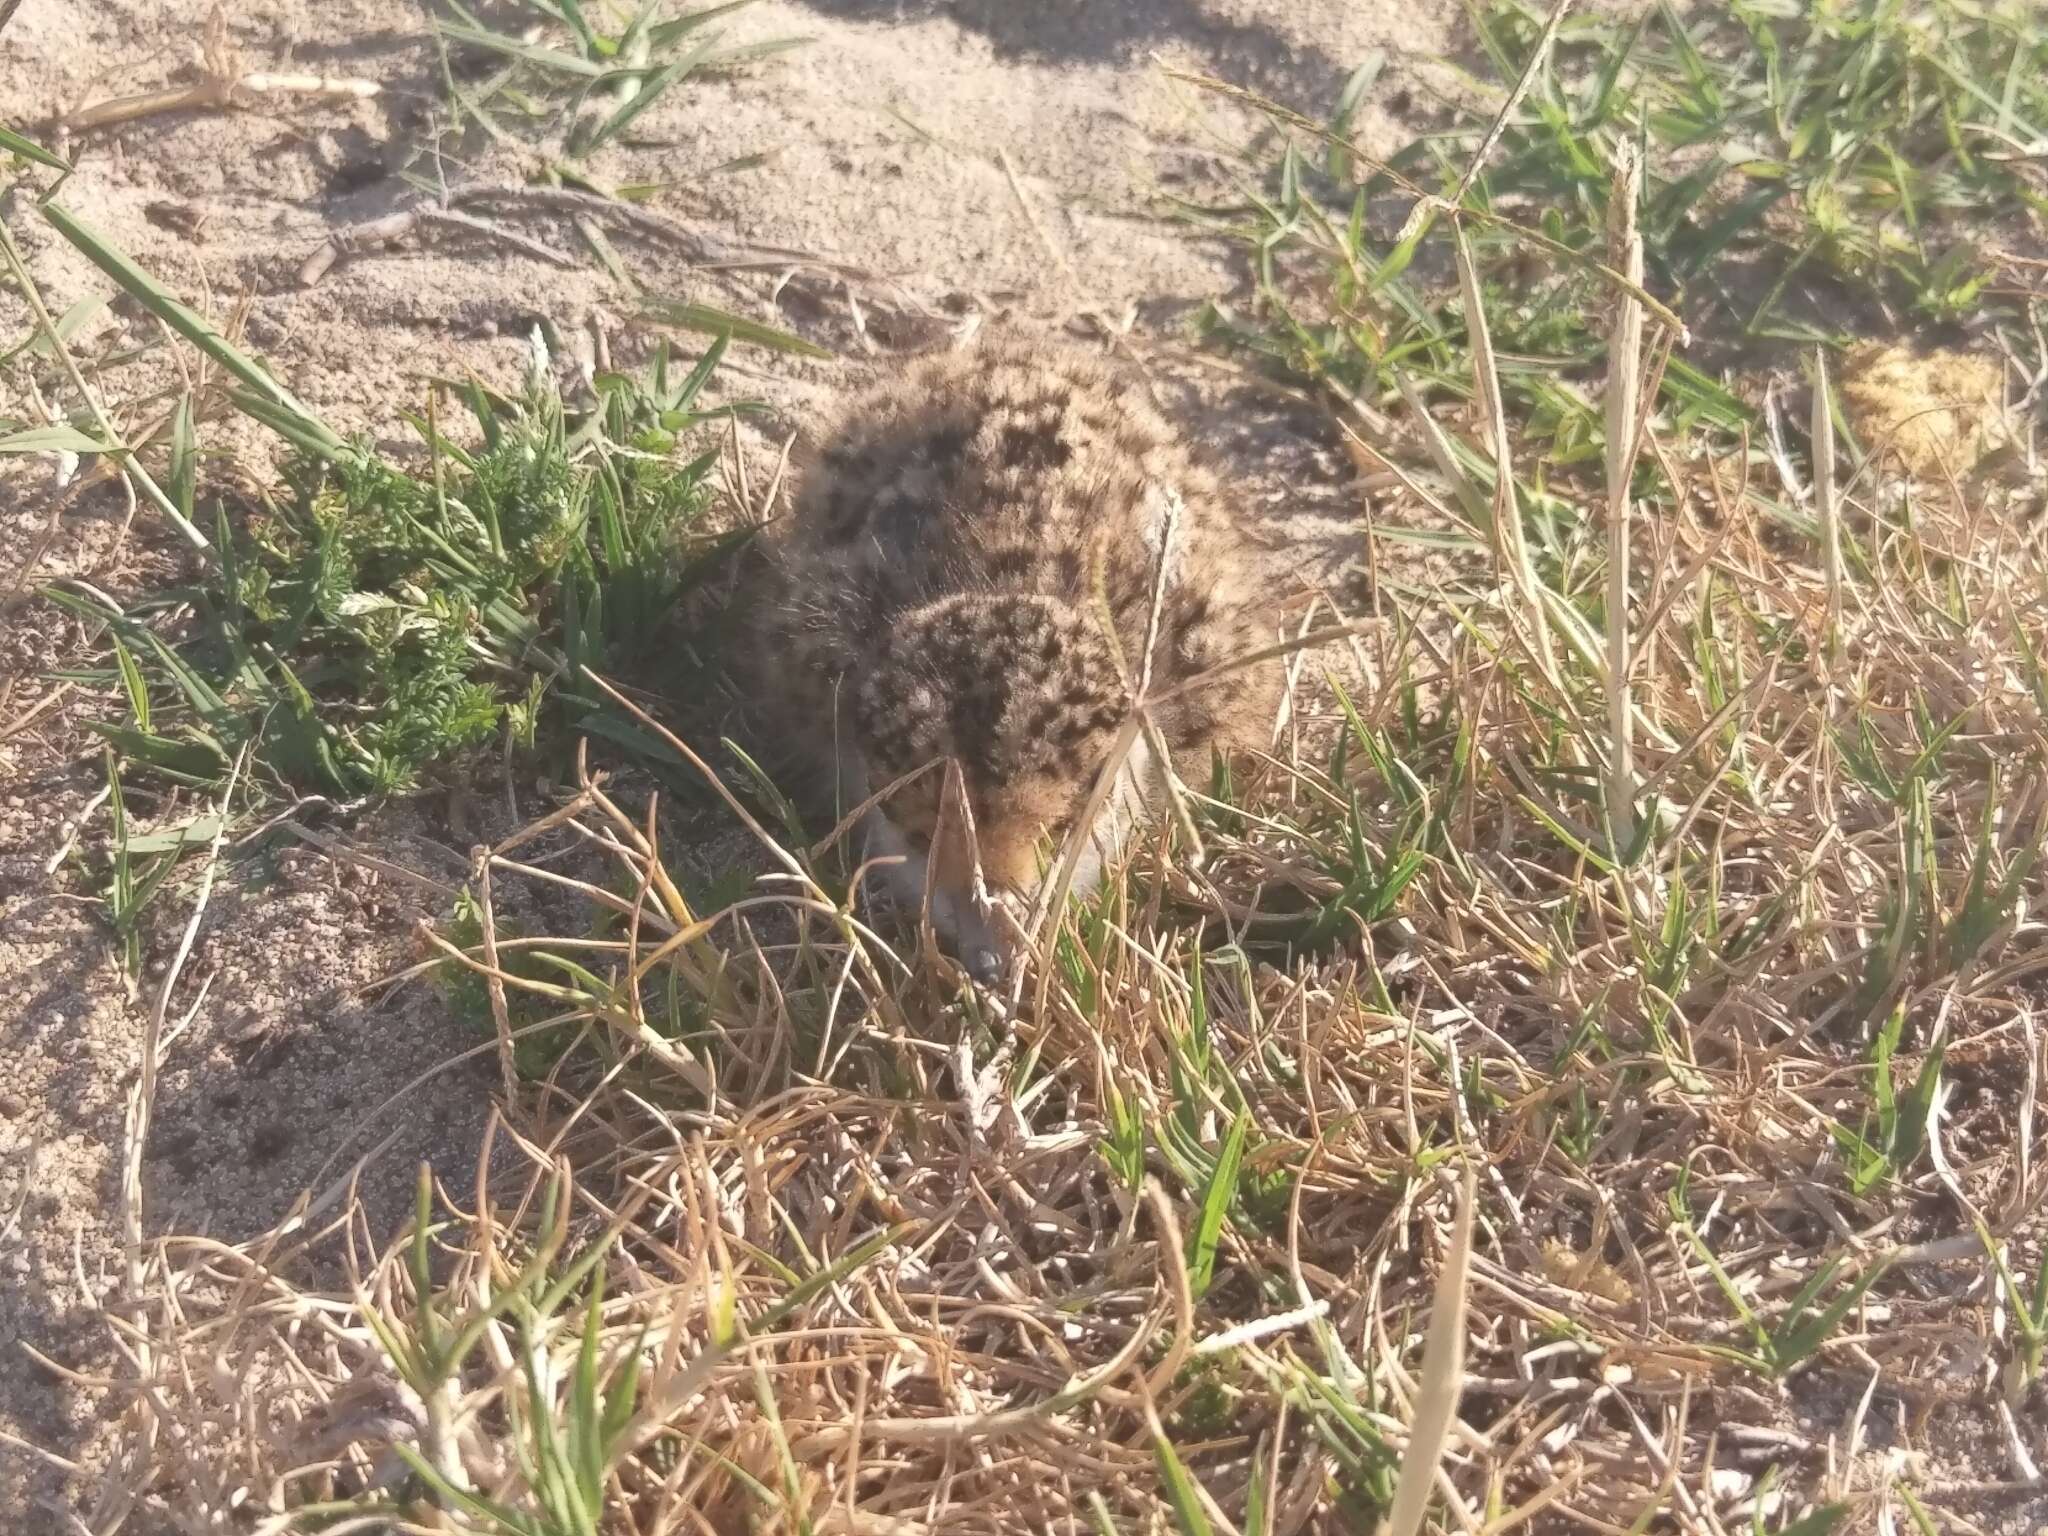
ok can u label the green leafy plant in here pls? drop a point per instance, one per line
(2029, 1312)
(371, 621)
(605, 67)
(1781, 1346)
(1789, 149)
(1892, 1137)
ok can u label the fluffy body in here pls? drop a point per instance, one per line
(970, 573)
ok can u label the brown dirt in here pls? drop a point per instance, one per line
(970, 157)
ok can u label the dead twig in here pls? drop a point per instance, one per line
(392, 228)
(224, 85)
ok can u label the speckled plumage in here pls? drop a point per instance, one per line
(969, 572)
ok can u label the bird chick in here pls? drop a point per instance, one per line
(988, 559)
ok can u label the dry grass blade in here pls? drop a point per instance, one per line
(1514, 568)
(1827, 508)
(1442, 1371)
(1624, 407)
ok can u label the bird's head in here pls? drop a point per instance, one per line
(1025, 696)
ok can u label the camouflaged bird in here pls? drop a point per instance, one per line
(971, 573)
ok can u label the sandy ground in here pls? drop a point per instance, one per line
(967, 158)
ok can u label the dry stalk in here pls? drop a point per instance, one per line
(1624, 403)
(1539, 57)
(1827, 508)
(217, 93)
(224, 85)
(394, 227)
(1443, 1367)
(1513, 567)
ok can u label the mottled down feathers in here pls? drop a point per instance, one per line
(981, 557)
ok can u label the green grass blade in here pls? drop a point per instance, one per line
(132, 684)
(68, 325)
(192, 834)
(198, 762)
(1794, 1345)
(592, 44)
(525, 53)
(712, 321)
(187, 322)
(651, 89)
(1217, 1194)
(1188, 1513)
(687, 392)
(667, 32)
(57, 438)
(14, 144)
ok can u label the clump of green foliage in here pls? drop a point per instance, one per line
(1809, 173)
(1863, 144)
(599, 68)
(371, 619)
